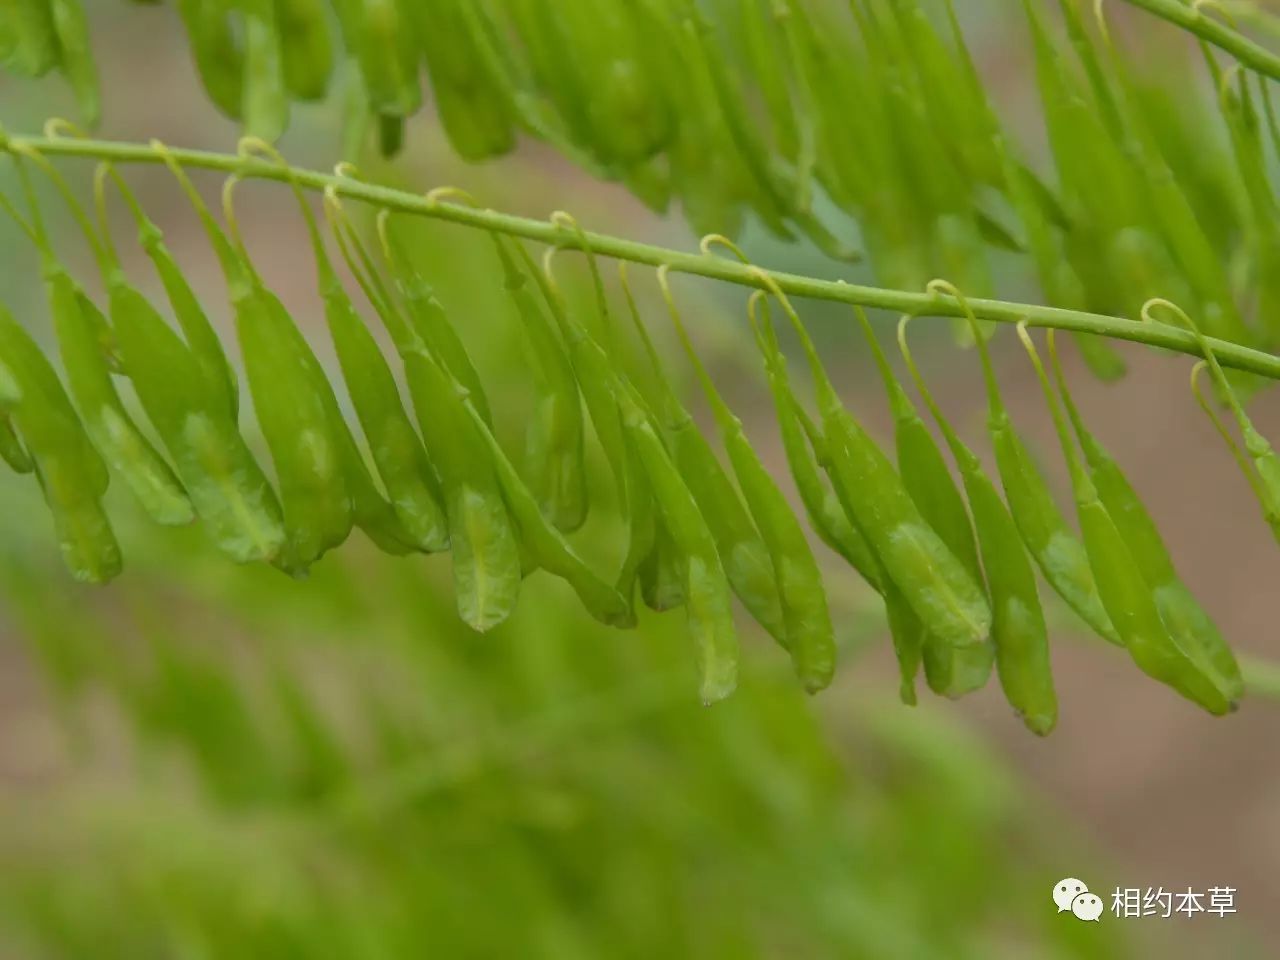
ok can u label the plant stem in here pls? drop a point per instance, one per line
(1261, 677)
(705, 265)
(1200, 22)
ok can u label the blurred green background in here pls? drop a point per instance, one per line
(206, 761)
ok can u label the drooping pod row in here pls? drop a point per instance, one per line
(953, 563)
(1120, 579)
(452, 486)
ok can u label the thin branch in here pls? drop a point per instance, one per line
(1198, 19)
(704, 265)
(1261, 677)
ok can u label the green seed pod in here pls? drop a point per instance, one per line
(230, 493)
(554, 446)
(486, 548)
(83, 333)
(1189, 625)
(826, 516)
(217, 52)
(299, 433)
(705, 585)
(71, 474)
(428, 318)
(906, 629)
(924, 472)
(743, 552)
(370, 511)
(1126, 594)
(1017, 619)
(549, 549)
(831, 511)
(112, 430)
(593, 371)
(659, 574)
(307, 49)
(212, 363)
(943, 594)
(30, 38)
(415, 516)
(289, 399)
(1061, 557)
(475, 113)
(487, 552)
(266, 102)
(807, 630)
(388, 55)
(77, 56)
(1264, 477)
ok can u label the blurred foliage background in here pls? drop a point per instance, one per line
(205, 761)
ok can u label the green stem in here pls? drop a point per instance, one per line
(1201, 22)
(1261, 677)
(699, 264)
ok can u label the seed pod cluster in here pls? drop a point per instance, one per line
(738, 109)
(706, 526)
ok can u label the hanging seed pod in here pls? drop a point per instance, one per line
(1095, 181)
(265, 106)
(128, 453)
(941, 592)
(1189, 625)
(1058, 279)
(230, 494)
(835, 513)
(475, 115)
(385, 47)
(1251, 467)
(773, 197)
(357, 500)
(743, 552)
(1264, 477)
(705, 586)
(306, 49)
(1170, 206)
(78, 326)
(30, 38)
(807, 630)
(206, 349)
(76, 56)
(826, 516)
(487, 562)
(1061, 557)
(289, 402)
(949, 671)
(659, 573)
(487, 565)
(593, 370)
(217, 52)
(906, 629)
(547, 545)
(414, 518)
(554, 445)
(428, 317)
(72, 476)
(1124, 590)
(1017, 619)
